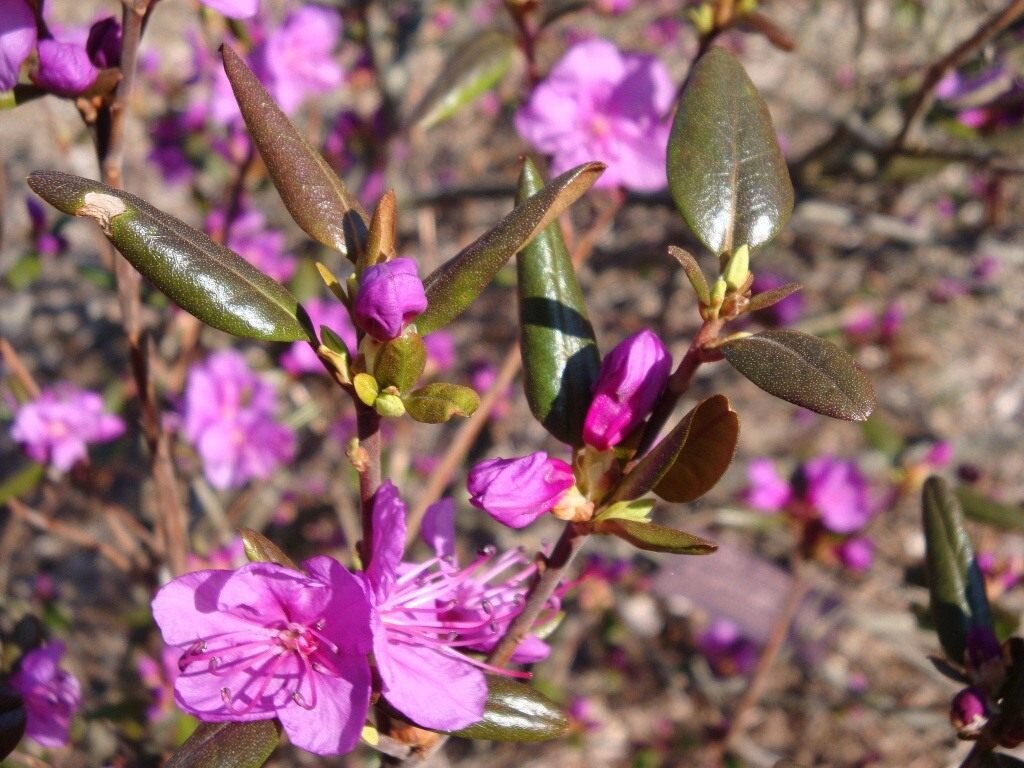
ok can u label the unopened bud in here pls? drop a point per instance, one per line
(390, 405)
(738, 269)
(515, 492)
(968, 713)
(573, 507)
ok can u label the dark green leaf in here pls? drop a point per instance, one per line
(517, 712)
(439, 402)
(560, 358)
(12, 720)
(998, 760)
(690, 459)
(654, 538)
(804, 370)
(453, 286)
(228, 745)
(725, 169)
(983, 509)
(260, 549)
(955, 583)
(400, 362)
(474, 68)
(314, 195)
(205, 279)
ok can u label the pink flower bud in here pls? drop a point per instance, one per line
(516, 492)
(632, 378)
(968, 712)
(64, 68)
(390, 295)
(104, 43)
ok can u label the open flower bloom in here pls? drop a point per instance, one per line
(515, 492)
(422, 614)
(266, 641)
(52, 696)
(838, 492)
(390, 295)
(64, 68)
(632, 378)
(17, 39)
(57, 425)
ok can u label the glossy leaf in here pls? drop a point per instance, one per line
(228, 745)
(978, 507)
(560, 357)
(259, 549)
(312, 192)
(202, 277)
(654, 538)
(804, 370)
(517, 712)
(440, 402)
(955, 583)
(726, 172)
(400, 362)
(453, 286)
(12, 719)
(474, 68)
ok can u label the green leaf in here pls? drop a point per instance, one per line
(804, 370)
(439, 402)
(12, 719)
(474, 68)
(654, 538)
(637, 509)
(205, 279)
(560, 357)
(400, 361)
(770, 298)
(998, 760)
(690, 459)
(693, 273)
(21, 482)
(726, 172)
(955, 583)
(313, 194)
(259, 549)
(983, 509)
(453, 286)
(228, 745)
(516, 712)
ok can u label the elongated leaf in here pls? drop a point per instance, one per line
(474, 68)
(774, 296)
(655, 538)
(12, 719)
(453, 286)
(228, 745)
(955, 583)
(517, 712)
(804, 370)
(983, 509)
(260, 549)
(20, 482)
(439, 402)
(560, 358)
(725, 169)
(315, 197)
(205, 279)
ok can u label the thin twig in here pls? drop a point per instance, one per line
(18, 369)
(925, 94)
(72, 533)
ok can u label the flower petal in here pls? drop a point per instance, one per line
(338, 709)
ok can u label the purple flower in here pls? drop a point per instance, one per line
(838, 492)
(422, 614)
(17, 39)
(52, 696)
(300, 358)
(856, 553)
(234, 9)
(767, 491)
(727, 651)
(56, 426)
(158, 678)
(266, 641)
(47, 241)
(632, 378)
(64, 68)
(440, 350)
(250, 238)
(390, 295)
(515, 492)
(104, 43)
(785, 312)
(297, 56)
(601, 104)
(229, 419)
(969, 711)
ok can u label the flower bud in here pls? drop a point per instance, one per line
(390, 295)
(968, 712)
(738, 269)
(516, 492)
(104, 43)
(64, 68)
(632, 378)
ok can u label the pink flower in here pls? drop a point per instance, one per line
(423, 614)
(234, 9)
(229, 419)
(440, 350)
(515, 492)
(158, 678)
(856, 553)
(251, 238)
(727, 651)
(64, 68)
(52, 696)
(969, 711)
(297, 56)
(785, 312)
(767, 491)
(57, 426)
(17, 39)
(300, 358)
(601, 104)
(265, 641)
(390, 296)
(838, 492)
(632, 378)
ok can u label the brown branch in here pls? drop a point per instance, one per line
(72, 533)
(925, 94)
(18, 369)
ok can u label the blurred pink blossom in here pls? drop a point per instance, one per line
(52, 695)
(251, 238)
(17, 39)
(297, 57)
(300, 358)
